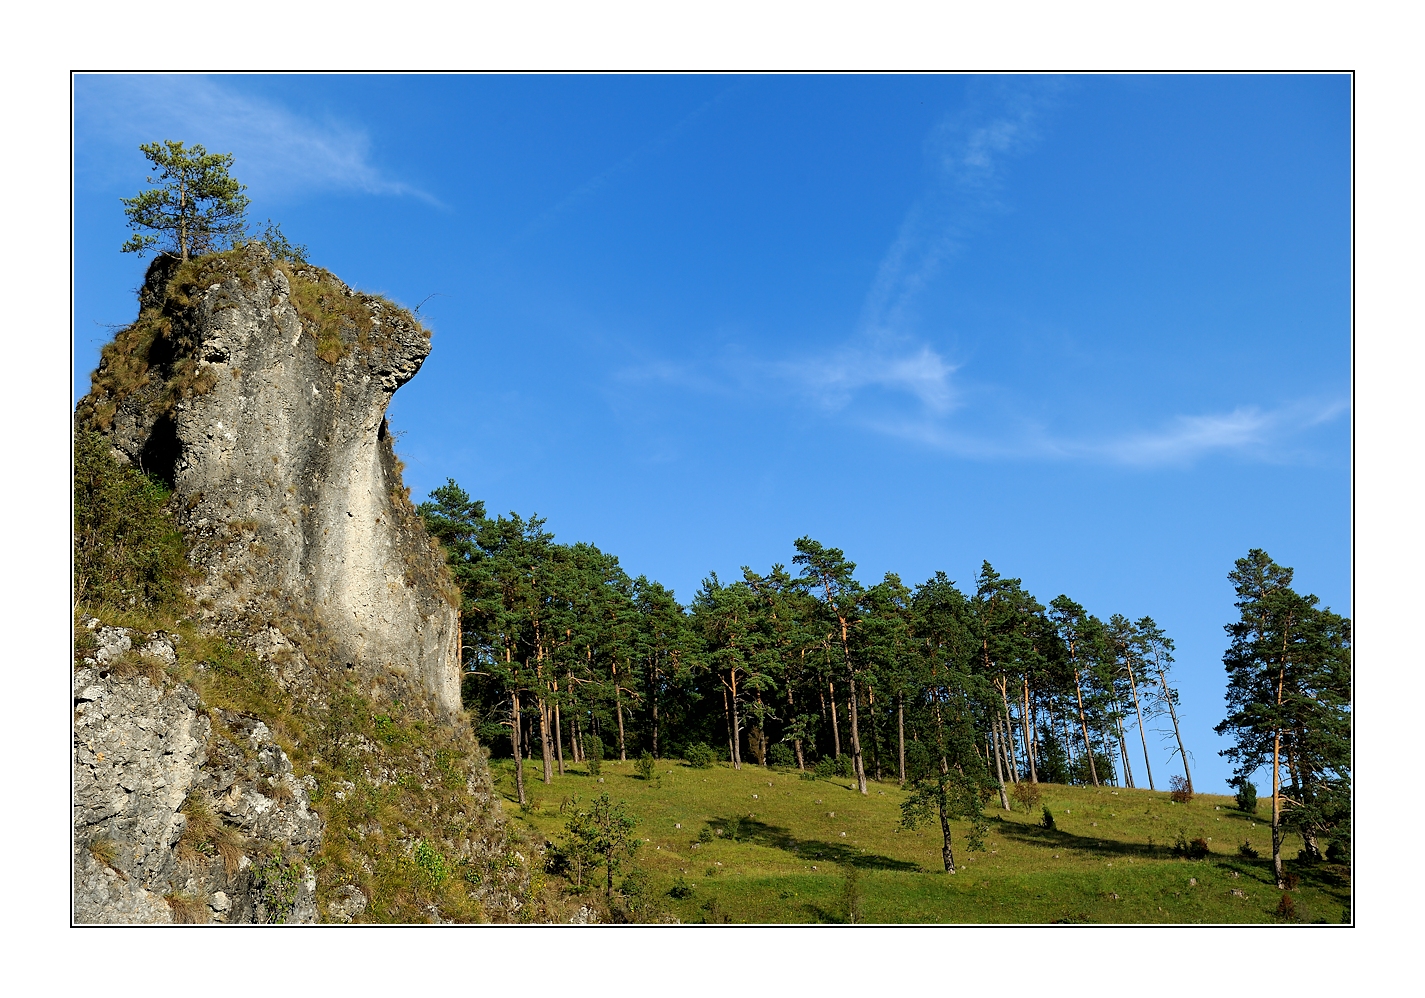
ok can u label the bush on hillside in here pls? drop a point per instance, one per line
(698, 755)
(780, 754)
(1048, 820)
(828, 767)
(644, 765)
(128, 553)
(1026, 795)
(1247, 796)
(1180, 794)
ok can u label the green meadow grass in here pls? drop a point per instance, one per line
(784, 839)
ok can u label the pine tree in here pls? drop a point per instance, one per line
(193, 202)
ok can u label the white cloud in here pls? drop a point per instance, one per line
(836, 378)
(276, 152)
(1244, 430)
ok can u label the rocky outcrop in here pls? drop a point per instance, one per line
(180, 813)
(261, 396)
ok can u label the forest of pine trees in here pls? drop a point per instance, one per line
(805, 667)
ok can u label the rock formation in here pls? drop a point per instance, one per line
(301, 754)
(264, 405)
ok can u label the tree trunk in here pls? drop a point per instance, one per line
(900, 735)
(618, 704)
(835, 725)
(1028, 735)
(653, 698)
(875, 732)
(1084, 724)
(1122, 744)
(1143, 735)
(1167, 695)
(857, 761)
(945, 854)
(1277, 831)
(796, 742)
(1008, 737)
(736, 728)
(558, 738)
(546, 750)
(999, 770)
(515, 722)
(727, 717)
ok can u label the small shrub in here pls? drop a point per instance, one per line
(278, 883)
(840, 766)
(714, 913)
(593, 754)
(1338, 852)
(681, 889)
(780, 754)
(1196, 849)
(1026, 795)
(1286, 909)
(644, 766)
(1291, 880)
(807, 774)
(1247, 851)
(1048, 820)
(698, 755)
(1247, 797)
(706, 835)
(637, 897)
(188, 909)
(1180, 792)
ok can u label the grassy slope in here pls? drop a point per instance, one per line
(1098, 866)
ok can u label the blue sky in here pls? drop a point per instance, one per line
(1093, 329)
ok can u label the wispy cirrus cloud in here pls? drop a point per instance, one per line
(1247, 431)
(278, 153)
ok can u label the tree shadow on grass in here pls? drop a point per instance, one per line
(762, 834)
(1088, 845)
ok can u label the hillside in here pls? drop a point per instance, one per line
(784, 839)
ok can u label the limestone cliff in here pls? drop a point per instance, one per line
(263, 402)
(288, 745)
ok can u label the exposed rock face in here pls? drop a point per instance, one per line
(283, 465)
(145, 755)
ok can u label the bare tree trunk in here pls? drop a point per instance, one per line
(856, 759)
(736, 727)
(653, 696)
(515, 722)
(1168, 696)
(558, 739)
(875, 732)
(1278, 833)
(796, 742)
(546, 749)
(618, 704)
(1132, 685)
(1122, 744)
(835, 727)
(1084, 724)
(1003, 685)
(999, 770)
(946, 855)
(727, 716)
(1028, 735)
(900, 734)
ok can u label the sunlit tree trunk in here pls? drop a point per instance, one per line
(900, 735)
(1028, 735)
(1142, 733)
(515, 723)
(835, 726)
(1084, 725)
(999, 769)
